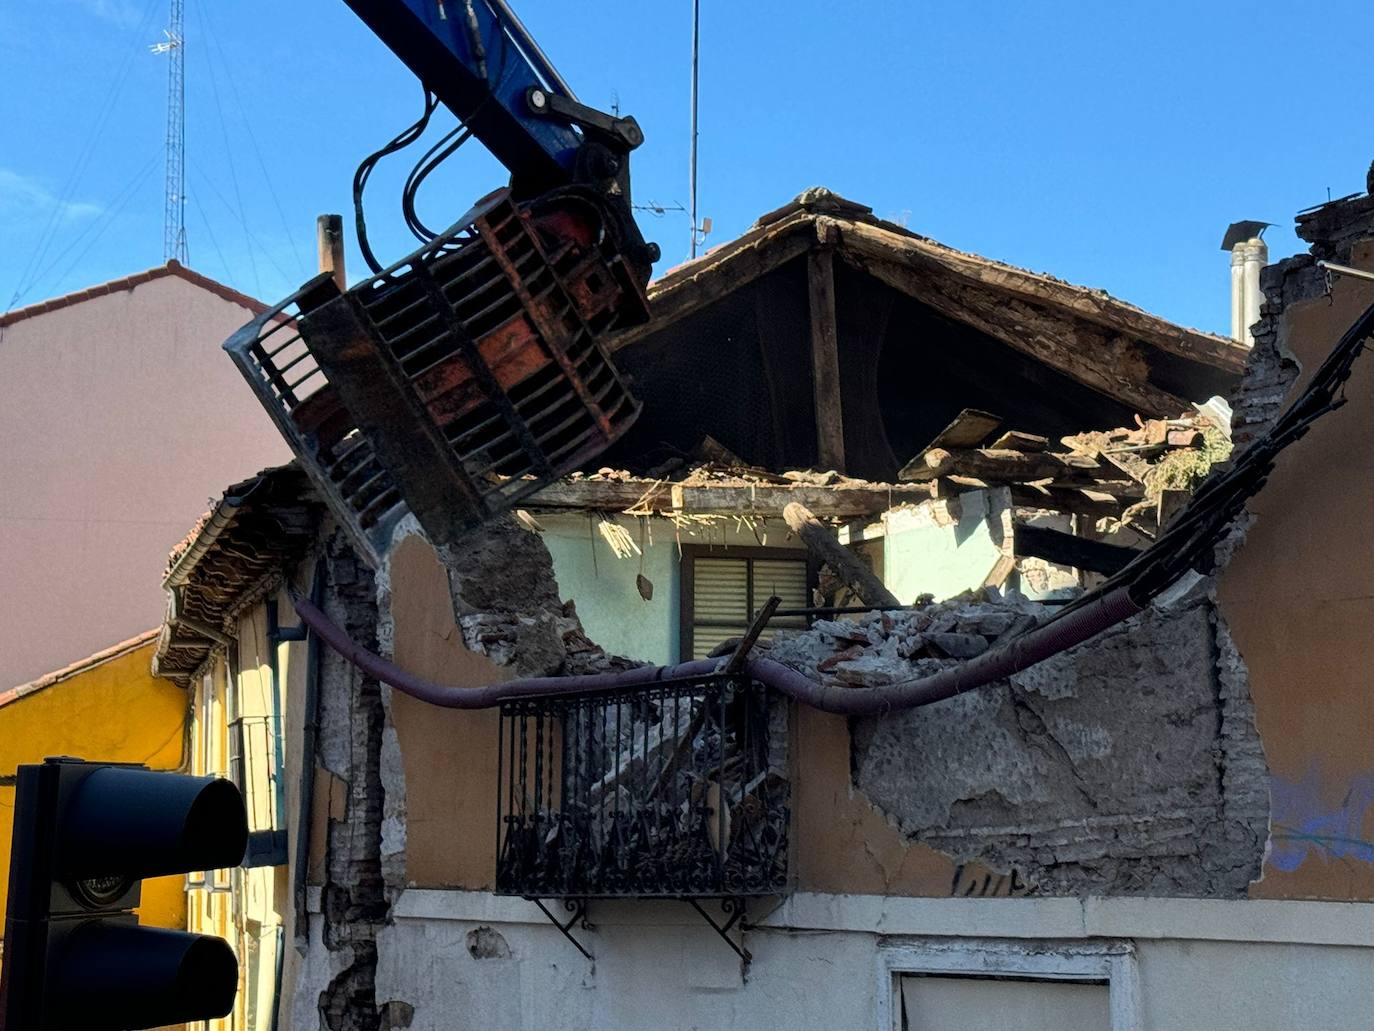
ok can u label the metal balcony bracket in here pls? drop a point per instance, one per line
(735, 910)
(578, 909)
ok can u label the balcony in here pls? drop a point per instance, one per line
(672, 790)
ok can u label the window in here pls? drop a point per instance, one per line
(972, 985)
(722, 589)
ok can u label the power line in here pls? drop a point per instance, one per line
(252, 241)
(100, 225)
(692, 166)
(30, 276)
(234, 179)
(210, 233)
(252, 136)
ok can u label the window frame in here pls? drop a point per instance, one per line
(749, 552)
(1112, 963)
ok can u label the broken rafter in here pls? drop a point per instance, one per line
(724, 270)
(996, 466)
(1071, 501)
(1067, 549)
(1014, 440)
(821, 541)
(647, 497)
(969, 429)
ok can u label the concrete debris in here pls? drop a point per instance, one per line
(881, 648)
(1103, 769)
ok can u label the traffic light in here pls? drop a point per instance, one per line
(85, 835)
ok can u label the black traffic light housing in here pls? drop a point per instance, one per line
(85, 835)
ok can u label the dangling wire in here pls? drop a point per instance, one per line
(403, 139)
(433, 158)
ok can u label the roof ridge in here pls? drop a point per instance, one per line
(123, 283)
(99, 658)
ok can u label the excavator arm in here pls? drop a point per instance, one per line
(470, 373)
(479, 60)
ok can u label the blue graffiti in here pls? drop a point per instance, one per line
(1304, 822)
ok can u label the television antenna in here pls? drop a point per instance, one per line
(174, 211)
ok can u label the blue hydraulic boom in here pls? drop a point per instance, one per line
(479, 60)
(471, 372)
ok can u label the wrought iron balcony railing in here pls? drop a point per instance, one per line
(673, 790)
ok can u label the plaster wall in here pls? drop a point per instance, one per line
(120, 416)
(1296, 597)
(613, 612)
(822, 961)
(1125, 766)
(944, 547)
(447, 757)
(263, 901)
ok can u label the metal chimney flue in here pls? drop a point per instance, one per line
(1249, 254)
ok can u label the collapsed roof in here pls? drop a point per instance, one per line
(793, 359)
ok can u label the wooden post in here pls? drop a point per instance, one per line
(751, 636)
(825, 359)
(821, 541)
(330, 240)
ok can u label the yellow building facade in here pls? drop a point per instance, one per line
(106, 708)
(231, 641)
(235, 733)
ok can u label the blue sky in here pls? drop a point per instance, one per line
(1106, 143)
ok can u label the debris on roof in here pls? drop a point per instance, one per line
(710, 489)
(907, 332)
(1119, 474)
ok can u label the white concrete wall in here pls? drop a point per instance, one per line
(828, 962)
(120, 418)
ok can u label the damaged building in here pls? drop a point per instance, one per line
(772, 714)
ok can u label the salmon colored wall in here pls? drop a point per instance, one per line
(113, 711)
(449, 756)
(120, 417)
(1299, 599)
(840, 842)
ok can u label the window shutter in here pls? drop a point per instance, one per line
(726, 591)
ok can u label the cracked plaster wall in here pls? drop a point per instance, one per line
(1125, 766)
(1294, 590)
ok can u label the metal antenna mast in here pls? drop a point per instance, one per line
(692, 170)
(174, 216)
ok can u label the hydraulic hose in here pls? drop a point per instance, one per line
(1018, 654)
(1185, 544)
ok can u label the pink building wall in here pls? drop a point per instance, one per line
(120, 418)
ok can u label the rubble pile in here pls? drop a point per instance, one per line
(879, 648)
